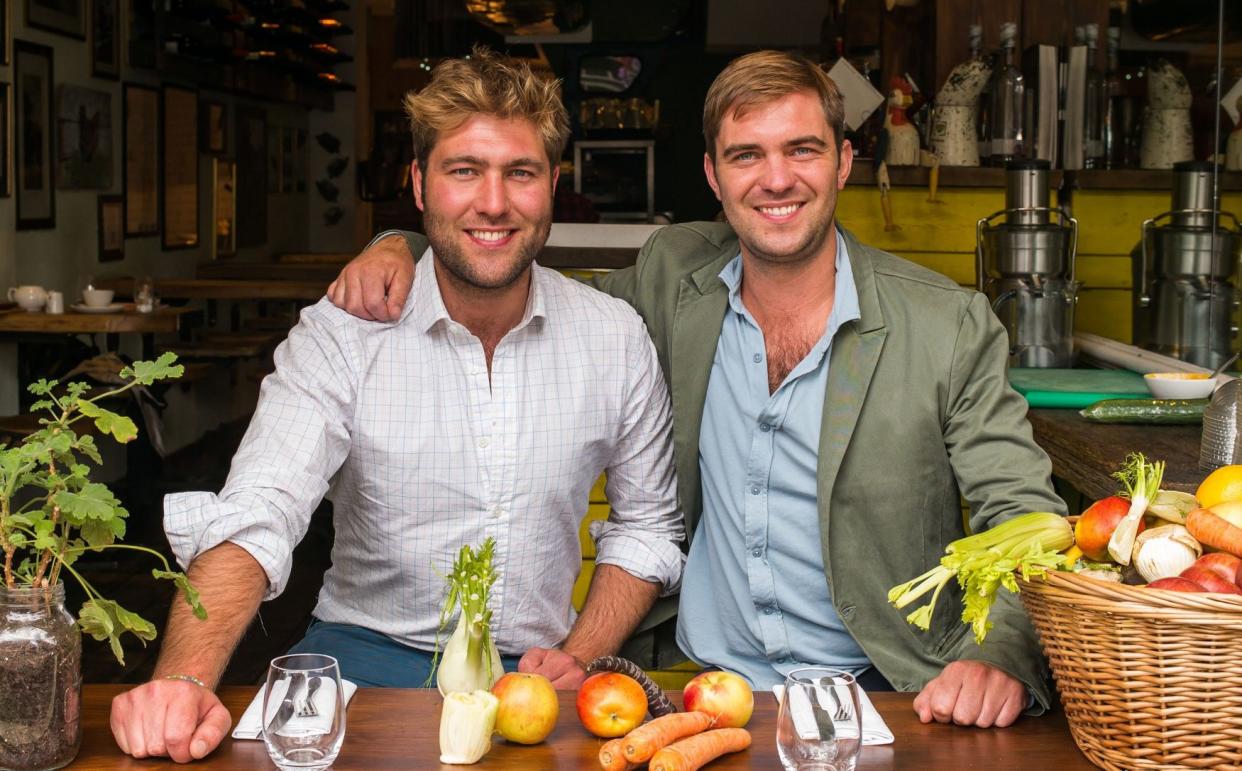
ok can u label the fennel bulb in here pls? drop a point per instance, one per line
(470, 660)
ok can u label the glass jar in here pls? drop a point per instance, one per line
(40, 679)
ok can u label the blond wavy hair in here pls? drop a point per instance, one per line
(764, 76)
(486, 83)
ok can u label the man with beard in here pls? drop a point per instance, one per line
(832, 404)
(486, 410)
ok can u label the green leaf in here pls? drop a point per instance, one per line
(77, 389)
(120, 427)
(97, 533)
(42, 404)
(42, 386)
(45, 535)
(86, 446)
(187, 590)
(95, 620)
(93, 501)
(106, 620)
(135, 624)
(147, 372)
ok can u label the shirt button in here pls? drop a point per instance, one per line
(497, 512)
(757, 553)
(764, 427)
(758, 358)
(754, 491)
(483, 443)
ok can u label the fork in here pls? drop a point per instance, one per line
(842, 713)
(307, 707)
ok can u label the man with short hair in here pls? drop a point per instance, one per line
(487, 409)
(830, 403)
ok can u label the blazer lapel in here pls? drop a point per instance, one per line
(701, 303)
(855, 353)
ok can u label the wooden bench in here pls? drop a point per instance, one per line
(228, 345)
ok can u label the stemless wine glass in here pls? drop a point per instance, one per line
(303, 712)
(819, 726)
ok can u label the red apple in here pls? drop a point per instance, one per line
(528, 707)
(1237, 579)
(611, 704)
(1209, 579)
(1096, 526)
(1175, 584)
(1224, 565)
(723, 695)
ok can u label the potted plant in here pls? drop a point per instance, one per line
(50, 514)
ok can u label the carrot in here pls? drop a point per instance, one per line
(697, 751)
(1215, 531)
(642, 742)
(612, 758)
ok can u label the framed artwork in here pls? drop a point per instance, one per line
(223, 208)
(141, 152)
(6, 33)
(6, 140)
(213, 134)
(32, 75)
(65, 17)
(250, 137)
(83, 138)
(111, 228)
(179, 167)
(106, 39)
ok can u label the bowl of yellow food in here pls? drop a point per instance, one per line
(1179, 385)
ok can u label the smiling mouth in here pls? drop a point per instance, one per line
(779, 212)
(490, 237)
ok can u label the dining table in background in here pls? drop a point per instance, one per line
(399, 729)
(125, 320)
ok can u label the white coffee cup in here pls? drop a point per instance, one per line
(55, 302)
(30, 297)
(97, 298)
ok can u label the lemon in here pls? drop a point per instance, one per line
(1223, 484)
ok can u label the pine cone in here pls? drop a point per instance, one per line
(657, 703)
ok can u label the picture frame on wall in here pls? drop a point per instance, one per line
(179, 167)
(111, 218)
(64, 17)
(33, 159)
(223, 208)
(6, 33)
(83, 138)
(213, 135)
(105, 39)
(6, 140)
(141, 119)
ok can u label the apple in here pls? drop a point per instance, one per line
(725, 696)
(1209, 579)
(1237, 579)
(528, 707)
(1175, 584)
(1096, 526)
(1230, 511)
(611, 704)
(1224, 565)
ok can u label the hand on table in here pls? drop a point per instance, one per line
(971, 693)
(565, 672)
(374, 284)
(179, 719)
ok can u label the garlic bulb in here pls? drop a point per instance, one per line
(1165, 551)
(467, 722)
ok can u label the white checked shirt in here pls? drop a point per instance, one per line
(398, 425)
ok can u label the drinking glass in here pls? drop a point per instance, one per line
(819, 726)
(144, 295)
(303, 712)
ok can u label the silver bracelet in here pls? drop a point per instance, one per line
(187, 679)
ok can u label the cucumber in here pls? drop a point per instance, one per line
(1151, 411)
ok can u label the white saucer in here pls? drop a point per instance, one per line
(113, 308)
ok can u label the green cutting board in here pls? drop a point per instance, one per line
(1076, 387)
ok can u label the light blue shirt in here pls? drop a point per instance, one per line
(754, 597)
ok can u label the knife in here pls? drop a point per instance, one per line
(288, 705)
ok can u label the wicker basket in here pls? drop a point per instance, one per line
(1148, 678)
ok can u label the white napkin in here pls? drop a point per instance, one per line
(251, 724)
(874, 729)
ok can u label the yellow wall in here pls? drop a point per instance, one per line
(942, 237)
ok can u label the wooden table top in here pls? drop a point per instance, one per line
(161, 320)
(224, 289)
(399, 729)
(1086, 454)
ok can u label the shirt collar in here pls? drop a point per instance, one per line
(425, 305)
(845, 295)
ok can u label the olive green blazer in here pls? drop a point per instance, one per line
(918, 413)
(917, 410)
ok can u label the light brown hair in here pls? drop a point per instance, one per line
(486, 83)
(763, 76)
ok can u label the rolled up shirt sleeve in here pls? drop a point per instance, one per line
(645, 530)
(297, 440)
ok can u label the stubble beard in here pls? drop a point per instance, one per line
(446, 244)
(812, 243)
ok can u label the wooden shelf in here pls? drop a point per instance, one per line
(863, 173)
